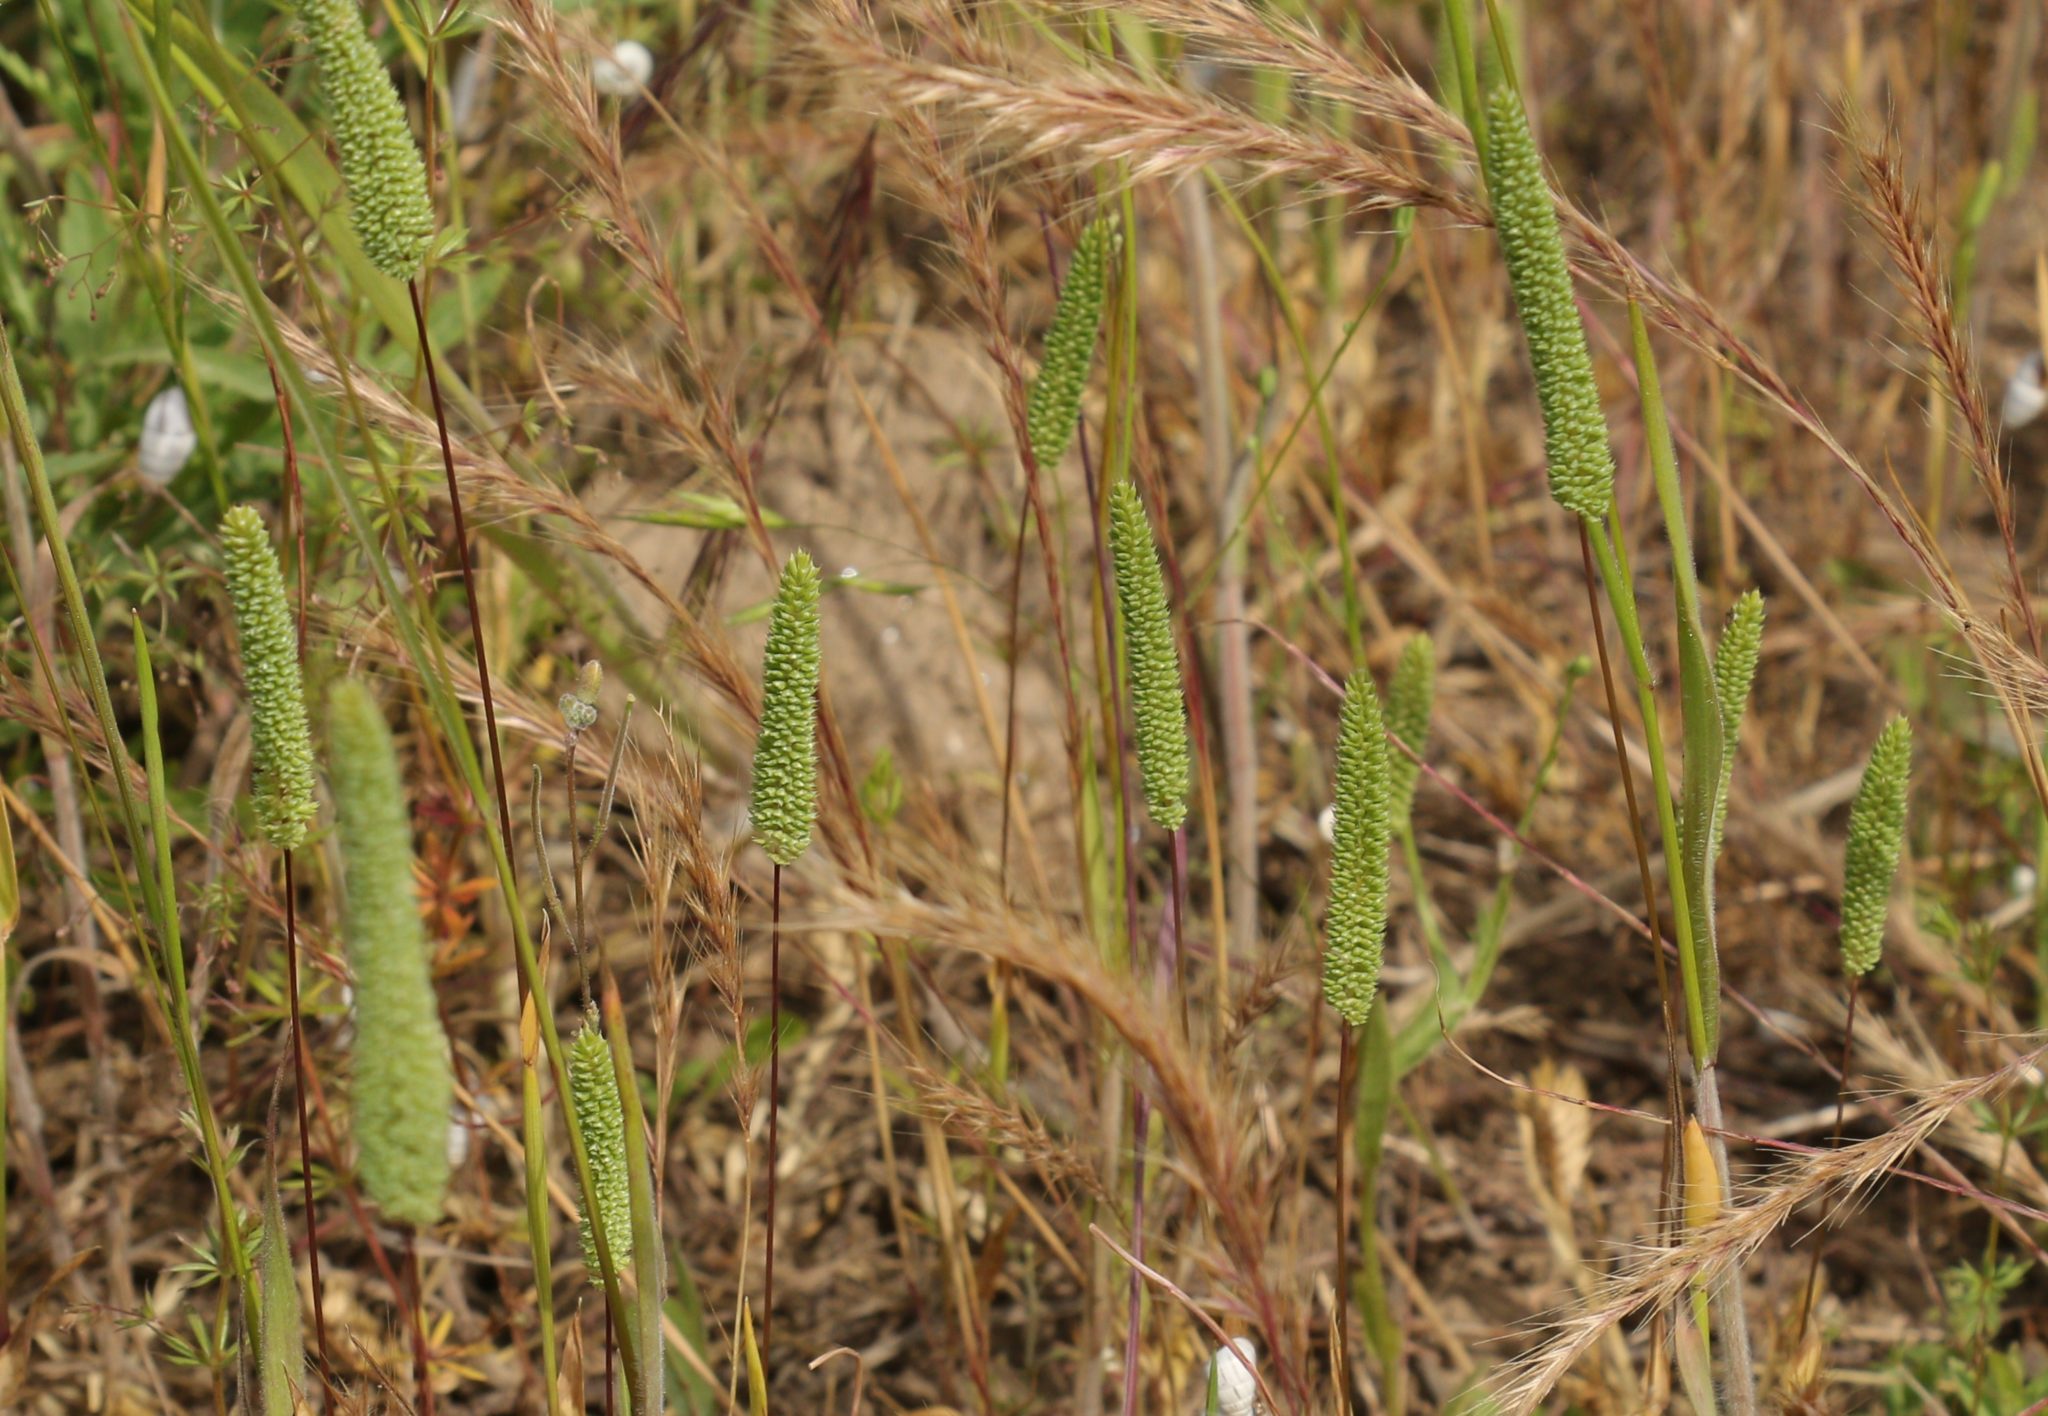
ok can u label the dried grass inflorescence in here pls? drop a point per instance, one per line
(1054, 406)
(1525, 215)
(785, 800)
(281, 1337)
(1411, 694)
(1877, 831)
(281, 743)
(594, 1092)
(1358, 862)
(402, 1082)
(380, 162)
(1158, 707)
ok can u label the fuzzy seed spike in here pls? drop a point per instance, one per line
(1158, 705)
(1054, 406)
(1877, 833)
(785, 802)
(380, 163)
(402, 1082)
(1411, 694)
(280, 743)
(594, 1092)
(1735, 661)
(1574, 429)
(1358, 862)
(281, 1337)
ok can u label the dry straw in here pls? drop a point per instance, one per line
(402, 1082)
(1158, 708)
(281, 745)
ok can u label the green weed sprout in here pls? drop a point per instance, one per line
(1877, 831)
(281, 1337)
(785, 802)
(594, 1092)
(1159, 709)
(1574, 429)
(281, 745)
(1411, 693)
(1054, 405)
(402, 1080)
(380, 162)
(1358, 865)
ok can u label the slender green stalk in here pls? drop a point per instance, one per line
(10, 915)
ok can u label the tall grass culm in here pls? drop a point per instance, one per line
(784, 812)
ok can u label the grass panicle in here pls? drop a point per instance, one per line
(380, 163)
(1159, 707)
(1358, 864)
(785, 802)
(402, 1083)
(594, 1092)
(1877, 832)
(1054, 405)
(1525, 216)
(280, 742)
(1735, 660)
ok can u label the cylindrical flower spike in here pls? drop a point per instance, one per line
(1358, 861)
(1574, 428)
(785, 802)
(280, 742)
(1877, 832)
(281, 1338)
(380, 163)
(1411, 693)
(402, 1082)
(1158, 706)
(1054, 406)
(1735, 660)
(594, 1092)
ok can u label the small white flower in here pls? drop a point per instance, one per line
(2025, 396)
(458, 1136)
(2024, 880)
(168, 440)
(1237, 1390)
(1326, 824)
(623, 72)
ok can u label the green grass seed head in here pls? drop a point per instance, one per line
(402, 1084)
(281, 1337)
(1411, 693)
(380, 162)
(280, 742)
(1054, 406)
(1574, 428)
(1877, 832)
(1157, 702)
(594, 1092)
(1358, 861)
(785, 802)
(1735, 660)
